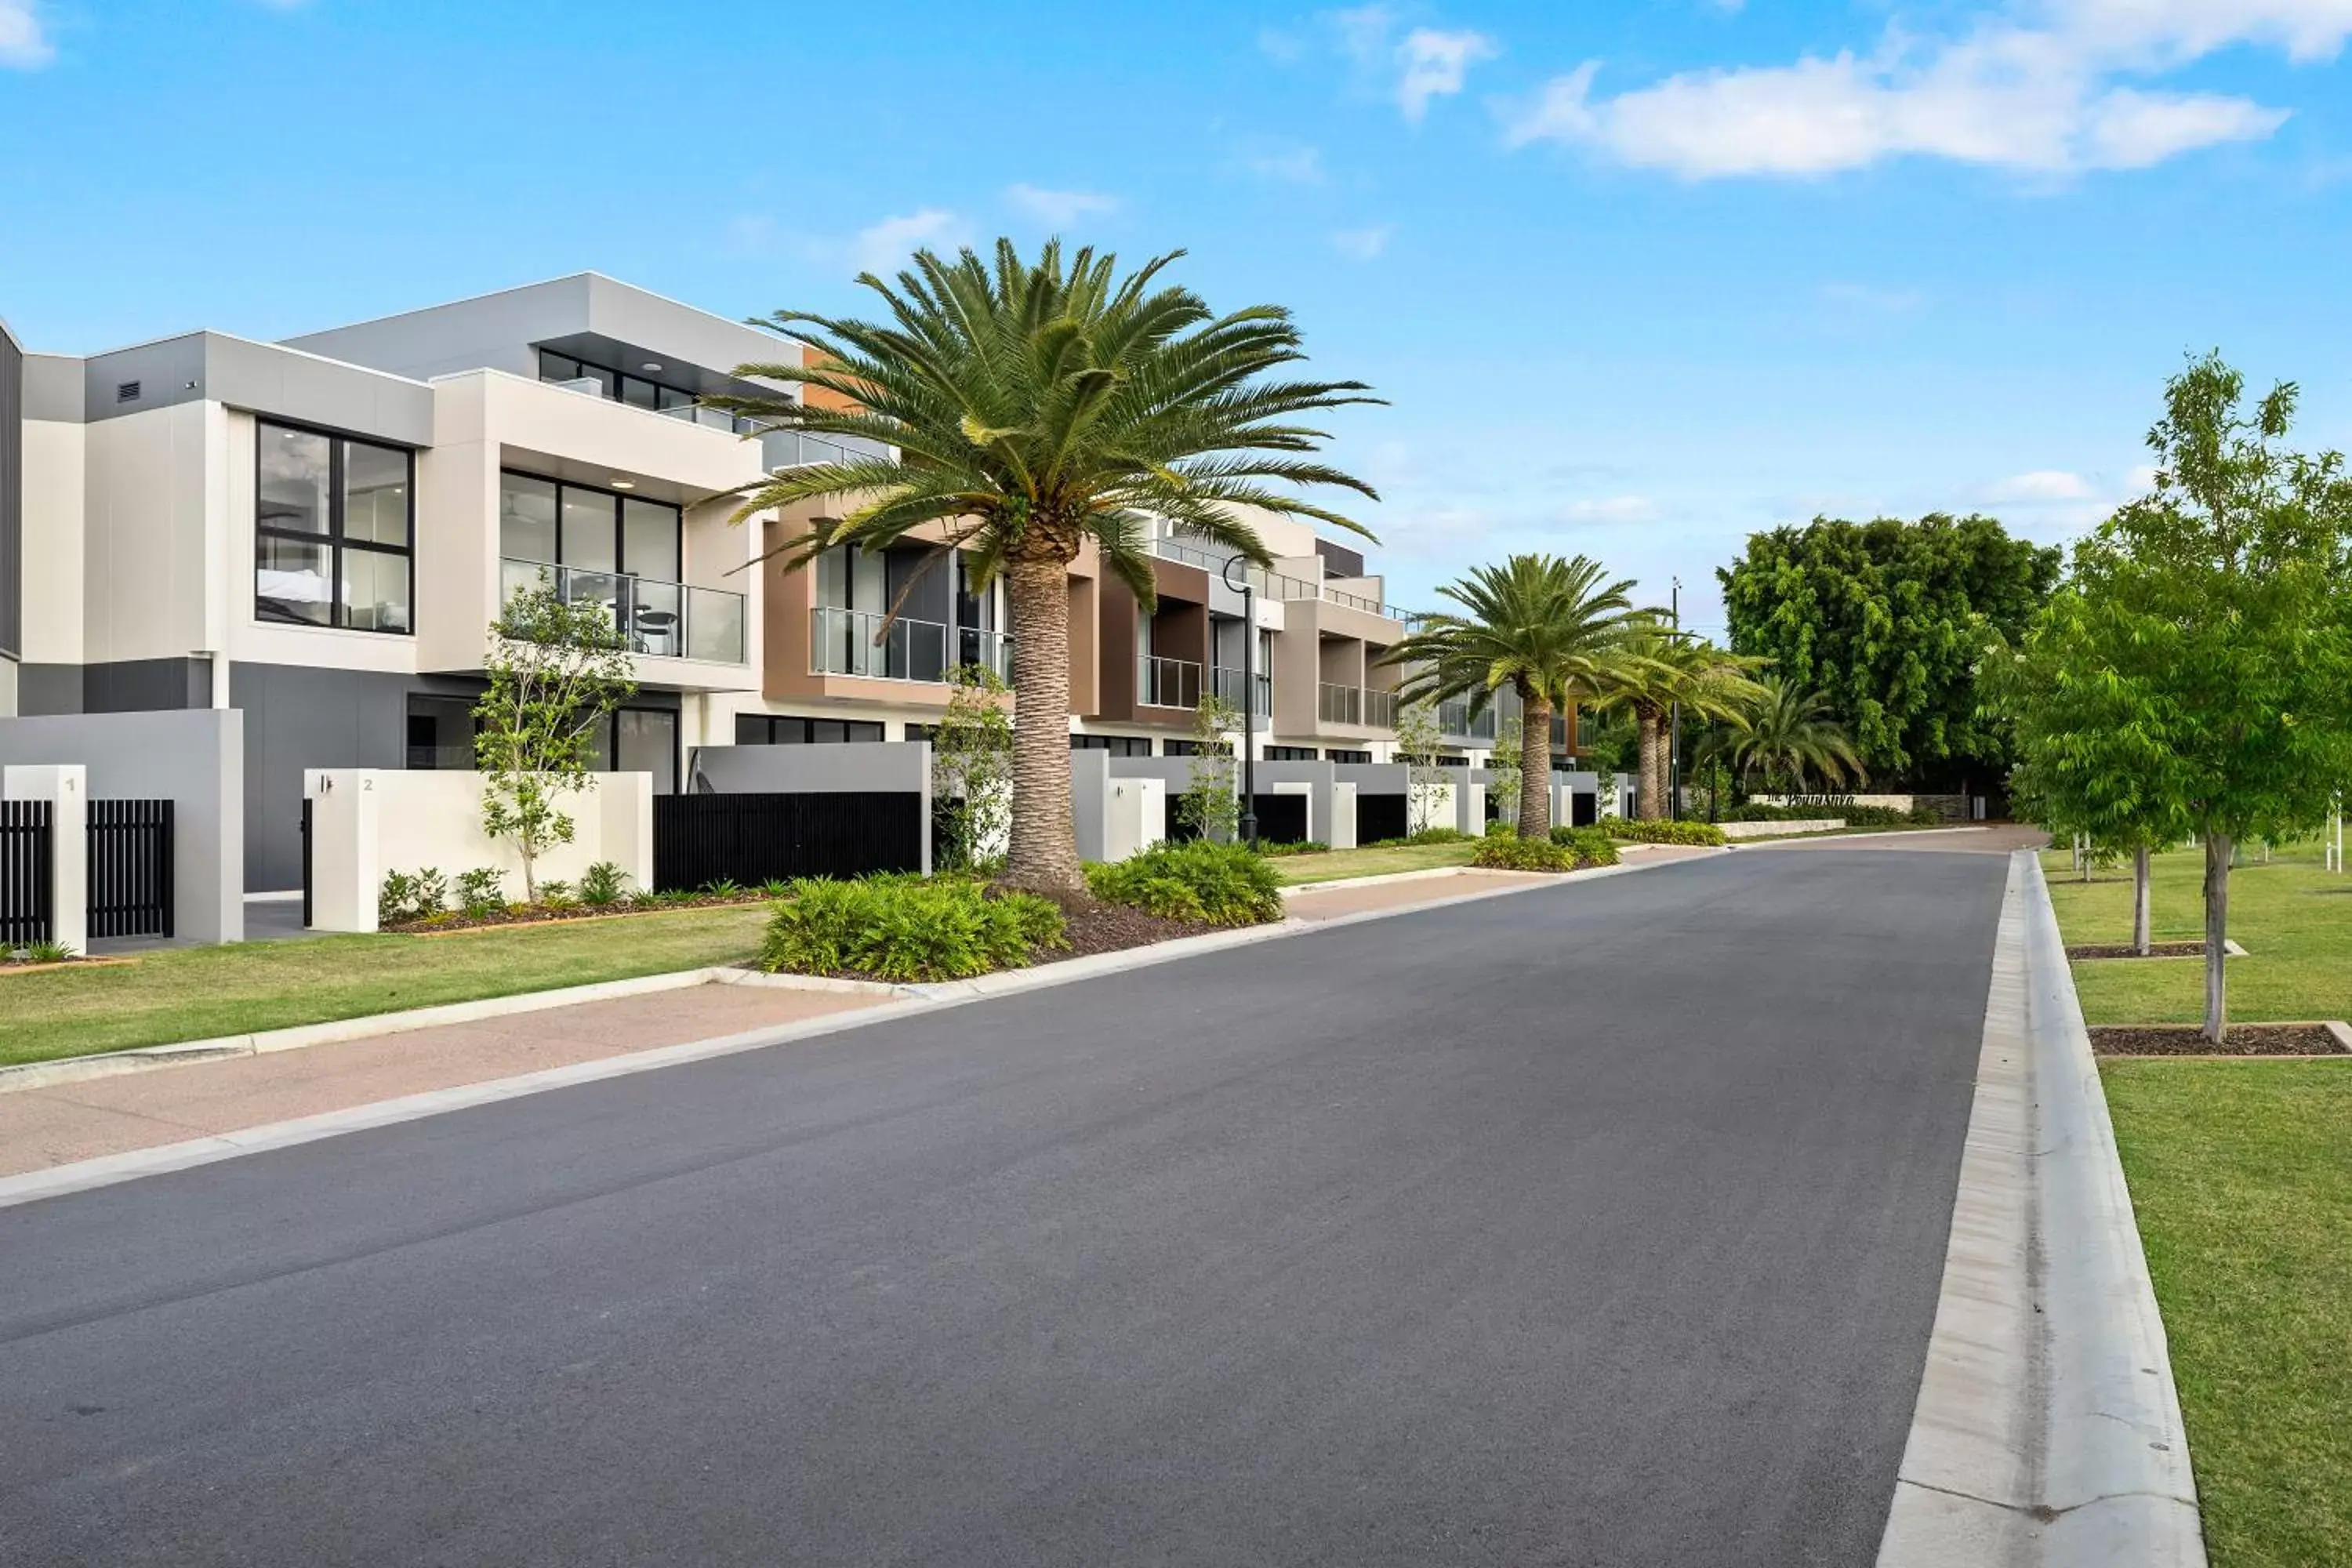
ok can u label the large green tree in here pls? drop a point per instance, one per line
(1553, 631)
(2204, 645)
(1886, 620)
(1036, 407)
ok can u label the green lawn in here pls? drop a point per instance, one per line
(1331, 866)
(2294, 919)
(2242, 1175)
(193, 994)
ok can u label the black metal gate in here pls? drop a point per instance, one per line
(24, 872)
(752, 838)
(1281, 818)
(1380, 817)
(129, 867)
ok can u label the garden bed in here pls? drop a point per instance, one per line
(453, 921)
(2104, 950)
(1093, 926)
(2238, 1041)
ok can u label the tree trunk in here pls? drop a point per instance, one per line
(2218, 849)
(1535, 767)
(2139, 900)
(1044, 852)
(1650, 731)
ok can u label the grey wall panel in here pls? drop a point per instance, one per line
(147, 685)
(884, 766)
(165, 373)
(54, 388)
(265, 378)
(48, 688)
(298, 718)
(12, 495)
(195, 760)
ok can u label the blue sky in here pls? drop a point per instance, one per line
(1638, 278)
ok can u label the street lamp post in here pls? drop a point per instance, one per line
(1675, 726)
(1248, 823)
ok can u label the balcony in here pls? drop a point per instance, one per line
(804, 450)
(1167, 682)
(1453, 719)
(867, 643)
(1362, 705)
(1228, 687)
(666, 620)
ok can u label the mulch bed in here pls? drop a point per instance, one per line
(2124, 950)
(1094, 927)
(2238, 1041)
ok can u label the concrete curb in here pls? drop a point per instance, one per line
(906, 1001)
(2047, 1429)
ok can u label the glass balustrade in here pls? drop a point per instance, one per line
(1228, 685)
(868, 643)
(1167, 682)
(669, 620)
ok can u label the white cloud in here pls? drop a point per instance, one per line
(1059, 208)
(1873, 300)
(1424, 64)
(1610, 509)
(2042, 487)
(1435, 65)
(2043, 98)
(1363, 244)
(1293, 164)
(23, 44)
(884, 246)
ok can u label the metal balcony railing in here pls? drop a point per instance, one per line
(1339, 704)
(1379, 708)
(1167, 682)
(1228, 684)
(1453, 719)
(669, 620)
(802, 450)
(858, 642)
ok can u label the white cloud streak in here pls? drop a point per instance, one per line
(23, 44)
(1059, 209)
(2043, 98)
(1363, 244)
(1426, 63)
(882, 246)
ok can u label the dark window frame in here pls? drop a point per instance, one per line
(1116, 745)
(1289, 755)
(620, 379)
(774, 725)
(620, 567)
(338, 614)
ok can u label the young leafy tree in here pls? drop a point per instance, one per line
(1037, 408)
(1210, 806)
(1424, 776)
(971, 769)
(1551, 630)
(2219, 606)
(1886, 620)
(1503, 765)
(556, 673)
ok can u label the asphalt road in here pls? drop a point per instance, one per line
(1598, 1225)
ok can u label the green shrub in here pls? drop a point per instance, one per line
(1591, 846)
(1293, 846)
(1496, 853)
(47, 953)
(1437, 835)
(602, 884)
(482, 892)
(556, 895)
(721, 887)
(1498, 828)
(1704, 833)
(1222, 884)
(405, 897)
(907, 928)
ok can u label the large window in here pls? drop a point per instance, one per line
(333, 529)
(560, 524)
(611, 383)
(1116, 745)
(774, 730)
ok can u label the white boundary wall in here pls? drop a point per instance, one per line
(368, 822)
(66, 789)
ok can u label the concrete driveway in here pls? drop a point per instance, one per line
(1596, 1224)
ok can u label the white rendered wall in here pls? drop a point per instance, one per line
(66, 789)
(150, 519)
(53, 547)
(366, 823)
(1135, 816)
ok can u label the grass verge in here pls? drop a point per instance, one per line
(1297, 870)
(2241, 1177)
(194, 993)
(2293, 918)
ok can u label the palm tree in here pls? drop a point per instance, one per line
(1668, 669)
(1034, 408)
(1791, 735)
(1550, 629)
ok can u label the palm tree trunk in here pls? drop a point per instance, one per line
(2139, 901)
(2218, 849)
(1043, 853)
(1651, 730)
(1535, 767)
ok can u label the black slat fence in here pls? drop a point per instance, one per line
(129, 867)
(24, 872)
(750, 839)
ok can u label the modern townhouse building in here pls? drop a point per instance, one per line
(319, 531)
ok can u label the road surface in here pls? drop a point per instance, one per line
(1601, 1225)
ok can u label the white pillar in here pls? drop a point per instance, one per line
(66, 789)
(344, 875)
